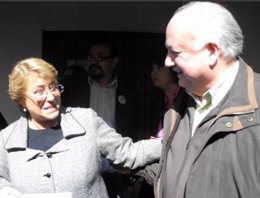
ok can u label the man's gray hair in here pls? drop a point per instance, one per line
(213, 22)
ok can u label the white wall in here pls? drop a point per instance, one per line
(22, 24)
(19, 37)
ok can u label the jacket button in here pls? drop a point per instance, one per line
(49, 155)
(228, 124)
(250, 119)
(47, 175)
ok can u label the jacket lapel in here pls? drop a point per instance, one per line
(18, 136)
(71, 123)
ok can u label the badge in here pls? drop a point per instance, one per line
(122, 99)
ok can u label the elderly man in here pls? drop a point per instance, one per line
(212, 134)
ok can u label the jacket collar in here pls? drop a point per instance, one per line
(240, 101)
(71, 126)
(19, 134)
(239, 104)
(242, 95)
(18, 137)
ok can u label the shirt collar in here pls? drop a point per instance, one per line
(213, 96)
(113, 83)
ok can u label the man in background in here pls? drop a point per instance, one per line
(101, 89)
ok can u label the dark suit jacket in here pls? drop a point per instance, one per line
(77, 94)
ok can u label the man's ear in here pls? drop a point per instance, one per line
(214, 50)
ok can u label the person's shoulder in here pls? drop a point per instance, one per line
(10, 128)
(125, 87)
(257, 77)
(84, 116)
(79, 111)
(123, 83)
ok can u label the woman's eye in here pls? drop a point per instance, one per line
(53, 87)
(38, 92)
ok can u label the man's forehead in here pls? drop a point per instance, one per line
(100, 48)
(178, 34)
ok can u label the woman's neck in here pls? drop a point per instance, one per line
(169, 90)
(42, 125)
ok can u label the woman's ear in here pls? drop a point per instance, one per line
(22, 104)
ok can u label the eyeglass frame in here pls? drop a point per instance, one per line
(98, 59)
(58, 88)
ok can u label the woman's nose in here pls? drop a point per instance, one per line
(154, 71)
(49, 96)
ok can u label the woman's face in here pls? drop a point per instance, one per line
(42, 101)
(161, 76)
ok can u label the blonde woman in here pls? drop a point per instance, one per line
(53, 149)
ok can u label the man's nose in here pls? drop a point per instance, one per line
(92, 61)
(169, 61)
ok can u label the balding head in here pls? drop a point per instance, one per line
(210, 22)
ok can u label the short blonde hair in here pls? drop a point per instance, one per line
(26, 68)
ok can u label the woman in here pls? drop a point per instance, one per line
(53, 149)
(166, 80)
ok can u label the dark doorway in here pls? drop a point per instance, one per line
(62, 48)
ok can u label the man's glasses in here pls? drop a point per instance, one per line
(40, 94)
(98, 59)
